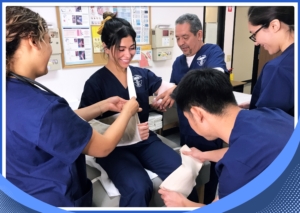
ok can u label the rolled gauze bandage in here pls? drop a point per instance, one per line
(183, 179)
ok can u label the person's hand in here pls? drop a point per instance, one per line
(171, 198)
(144, 130)
(164, 100)
(156, 105)
(131, 106)
(245, 105)
(114, 104)
(196, 153)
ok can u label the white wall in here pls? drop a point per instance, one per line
(69, 83)
(228, 34)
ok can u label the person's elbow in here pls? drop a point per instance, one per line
(98, 152)
(99, 145)
(109, 146)
(105, 152)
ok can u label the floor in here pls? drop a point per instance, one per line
(173, 135)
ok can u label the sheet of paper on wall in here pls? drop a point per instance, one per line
(54, 62)
(140, 23)
(76, 35)
(146, 56)
(123, 12)
(97, 43)
(137, 56)
(183, 179)
(74, 16)
(96, 13)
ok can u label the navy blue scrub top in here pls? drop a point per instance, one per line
(103, 84)
(275, 86)
(44, 142)
(209, 56)
(258, 136)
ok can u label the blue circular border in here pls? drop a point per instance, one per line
(243, 200)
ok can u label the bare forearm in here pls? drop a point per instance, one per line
(116, 130)
(92, 111)
(102, 145)
(114, 133)
(164, 88)
(215, 155)
(188, 203)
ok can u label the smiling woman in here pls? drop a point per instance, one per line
(125, 165)
(45, 139)
(273, 29)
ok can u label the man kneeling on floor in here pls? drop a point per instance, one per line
(255, 137)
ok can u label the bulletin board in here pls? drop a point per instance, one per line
(78, 25)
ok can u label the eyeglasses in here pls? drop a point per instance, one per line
(253, 36)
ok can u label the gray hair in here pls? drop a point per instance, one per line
(191, 19)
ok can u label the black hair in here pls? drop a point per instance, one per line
(115, 29)
(207, 88)
(264, 15)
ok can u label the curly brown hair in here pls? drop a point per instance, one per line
(22, 22)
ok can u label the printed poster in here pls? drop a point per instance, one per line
(137, 56)
(146, 56)
(140, 23)
(97, 43)
(123, 12)
(96, 13)
(76, 34)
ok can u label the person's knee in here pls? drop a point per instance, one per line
(174, 163)
(137, 195)
(143, 188)
(168, 166)
(140, 187)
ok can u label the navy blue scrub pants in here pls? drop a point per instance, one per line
(125, 167)
(204, 145)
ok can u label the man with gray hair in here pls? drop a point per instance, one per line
(196, 54)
